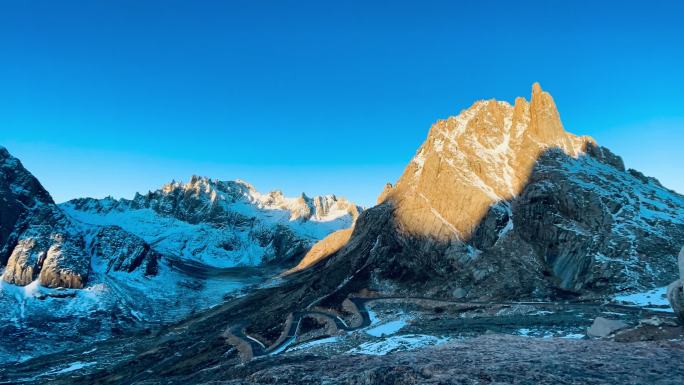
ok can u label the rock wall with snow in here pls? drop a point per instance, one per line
(221, 223)
(675, 291)
(39, 242)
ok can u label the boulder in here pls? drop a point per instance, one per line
(603, 327)
(675, 291)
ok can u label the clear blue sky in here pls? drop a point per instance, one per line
(113, 97)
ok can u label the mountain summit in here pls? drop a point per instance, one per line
(501, 202)
(469, 162)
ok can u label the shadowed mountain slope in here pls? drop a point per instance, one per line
(501, 201)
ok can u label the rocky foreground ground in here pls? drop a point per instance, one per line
(408, 341)
(489, 359)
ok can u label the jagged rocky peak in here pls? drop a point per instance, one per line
(470, 161)
(221, 223)
(215, 191)
(20, 192)
(320, 207)
(501, 202)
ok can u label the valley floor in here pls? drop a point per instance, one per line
(404, 341)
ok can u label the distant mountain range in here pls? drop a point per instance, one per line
(218, 223)
(221, 223)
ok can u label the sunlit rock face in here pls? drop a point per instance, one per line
(48, 248)
(221, 223)
(327, 246)
(501, 202)
(469, 162)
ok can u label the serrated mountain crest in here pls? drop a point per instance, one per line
(470, 161)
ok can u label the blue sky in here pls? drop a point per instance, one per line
(113, 97)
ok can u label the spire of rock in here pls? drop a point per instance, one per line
(545, 123)
(473, 160)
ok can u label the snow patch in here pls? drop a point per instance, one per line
(310, 344)
(655, 299)
(403, 342)
(386, 329)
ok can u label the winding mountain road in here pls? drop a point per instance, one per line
(289, 334)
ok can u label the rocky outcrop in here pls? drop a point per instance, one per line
(39, 242)
(675, 291)
(36, 240)
(48, 249)
(66, 264)
(124, 251)
(20, 192)
(23, 265)
(501, 202)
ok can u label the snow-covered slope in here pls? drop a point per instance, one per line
(38, 242)
(36, 320)
(93, 269)
(220, 223)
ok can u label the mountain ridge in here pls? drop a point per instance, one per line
(501, 177)
(221, 223)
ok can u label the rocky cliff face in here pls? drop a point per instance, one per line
(221, 223)
(20, 193)
(500, 201)
(124, 251)
(39, 242)
(474, 160)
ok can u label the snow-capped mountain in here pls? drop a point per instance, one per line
(501, 202)
(221, 223)
(39, 242)
(92, 269)
(56, 274)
